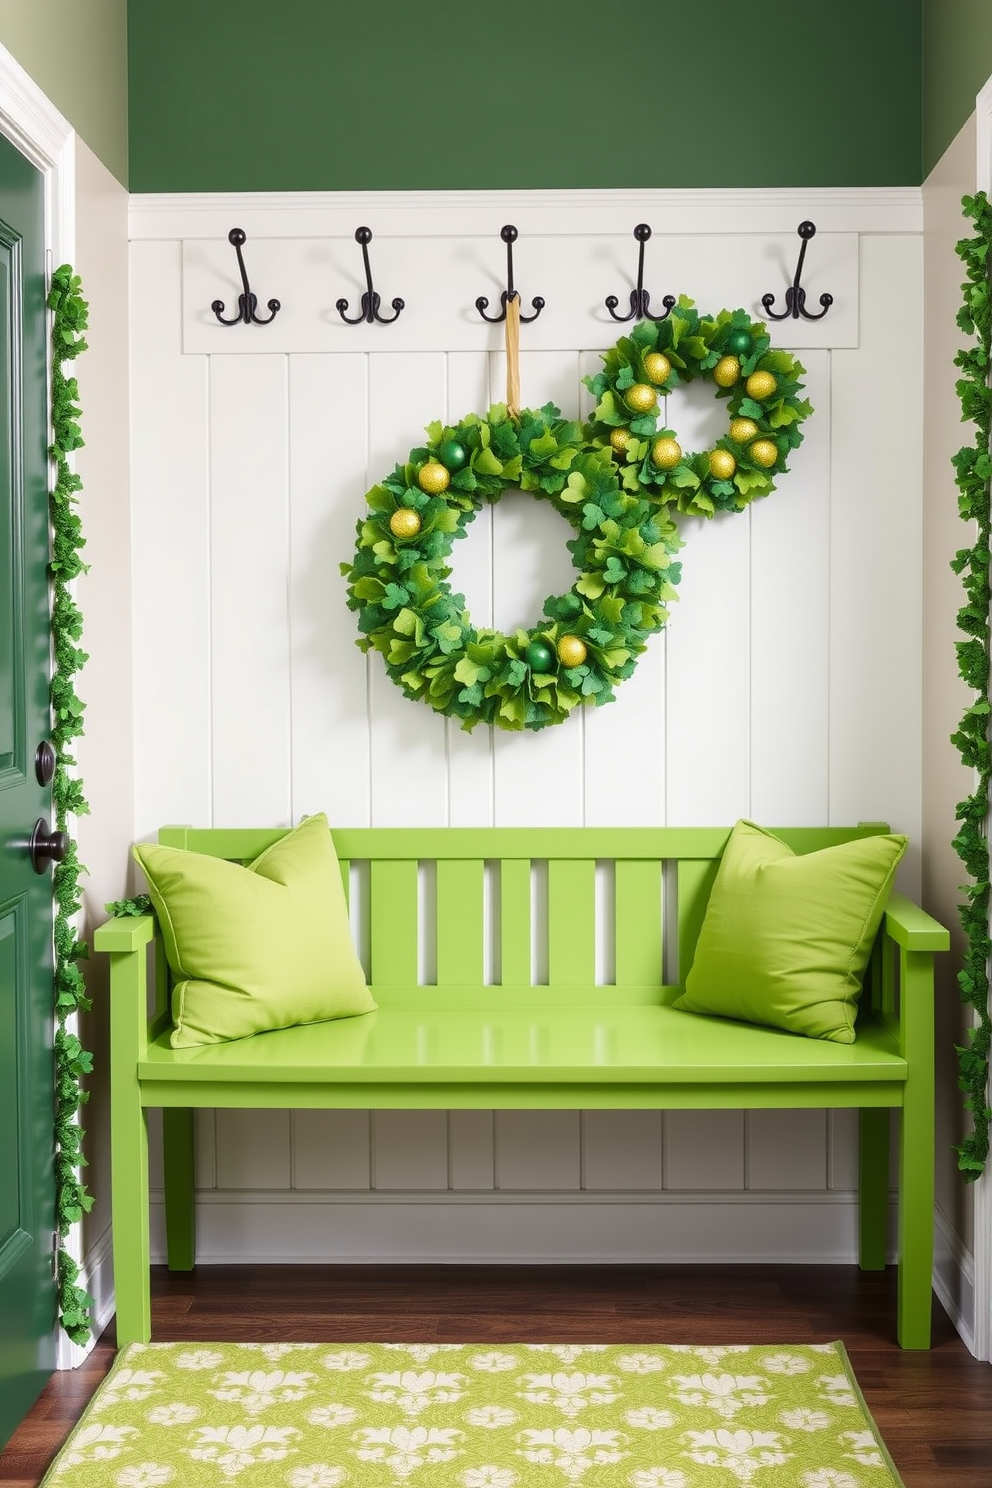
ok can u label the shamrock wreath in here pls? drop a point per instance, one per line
(765, 411)
(615, 480)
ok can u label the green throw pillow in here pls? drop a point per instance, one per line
(255, 948)
(786, 937)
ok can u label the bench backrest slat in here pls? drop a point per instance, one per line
(571, 922)
(460, 922)
(638, 920)
(514, 912)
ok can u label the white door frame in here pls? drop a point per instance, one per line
(982, 1245)
(31, 122)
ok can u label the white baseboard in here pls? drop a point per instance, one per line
(954, 1279)
(264, 1228)
(96, 1276)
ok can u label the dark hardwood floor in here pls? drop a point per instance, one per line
(933, 1409)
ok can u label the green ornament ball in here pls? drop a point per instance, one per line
(453, 454)
(739, 342)
(540, 657)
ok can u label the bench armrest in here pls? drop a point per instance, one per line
(125, 933)
(912, 928)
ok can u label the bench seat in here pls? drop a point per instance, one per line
(638, 1055)
(613, 917)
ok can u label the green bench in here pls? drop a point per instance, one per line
(556, 1040)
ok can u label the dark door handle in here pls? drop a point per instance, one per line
(44, 763)
(46, 846)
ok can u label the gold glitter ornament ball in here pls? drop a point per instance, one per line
(742, 429)
(572, 651)
(722, 464)
(640, 398)
(764, 452)
(760, 385)
(666, 453)
(404, 522)
(727, 371)
(619, 439)
(657, 366)
(433, 478)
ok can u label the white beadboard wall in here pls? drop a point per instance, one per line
(786, 688)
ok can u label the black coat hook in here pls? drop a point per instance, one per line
(509, 235)
(247, 302)
(371, 300)
(639, 297)
(795, 295)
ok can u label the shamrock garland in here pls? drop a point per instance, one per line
(973, 473)
(72, 1061)
(617, 480)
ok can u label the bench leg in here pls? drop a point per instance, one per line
(916, 1215)
(179, 1175)
(129, 1206)
(873, 1187)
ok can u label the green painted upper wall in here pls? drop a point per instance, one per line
(241, 95)
(957, 63)
(76, 51)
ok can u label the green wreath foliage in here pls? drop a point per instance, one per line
(623, 550)
(973, 474)
(615, 485)
(693, 345)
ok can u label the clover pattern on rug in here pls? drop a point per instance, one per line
(472, 1416)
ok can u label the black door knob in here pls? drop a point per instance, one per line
(46, 846)
(44, 763)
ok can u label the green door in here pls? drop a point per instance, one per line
(27, 1288)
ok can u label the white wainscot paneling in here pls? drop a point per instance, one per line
(786, 1149)
(470, 753)
(331, 1150)
(786, 686)
(409, 1150)
(253, 1149)
(170, 518)
(875, 542)
(409, 772)
(621, 1151)
(789, 620)
(249, 588)
(704, 1150)
(537, 1150)
(328, 466)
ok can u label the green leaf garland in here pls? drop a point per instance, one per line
(973, 470)
(72, 1061)
(618, 480)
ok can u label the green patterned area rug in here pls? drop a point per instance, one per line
(290, 1415)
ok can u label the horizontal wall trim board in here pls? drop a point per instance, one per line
(508, 1199)
(294, 214)
(706, 1229)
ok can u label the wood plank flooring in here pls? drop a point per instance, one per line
(933, 1409)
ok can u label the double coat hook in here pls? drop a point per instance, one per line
(371, 300)
(795, 295)
(509, 235)
(247, 302)
(639, 297)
